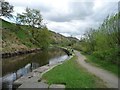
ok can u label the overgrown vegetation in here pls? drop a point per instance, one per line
(72, 75)
(103, 43)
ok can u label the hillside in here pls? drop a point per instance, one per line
(17, 37)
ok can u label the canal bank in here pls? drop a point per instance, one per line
(34, 78)
(23, 64)
(16, 53)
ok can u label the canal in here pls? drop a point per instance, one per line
(15, 67)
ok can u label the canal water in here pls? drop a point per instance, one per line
(15, 67)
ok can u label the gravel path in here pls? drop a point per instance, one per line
(110, 79)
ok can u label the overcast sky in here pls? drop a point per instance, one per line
(70, 17)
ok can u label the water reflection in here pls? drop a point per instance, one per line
(58, 59)
(15, 67)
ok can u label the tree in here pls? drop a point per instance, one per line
(6, 9)
(44, 38)
(41, 37)
(31, 17)
(103, 42)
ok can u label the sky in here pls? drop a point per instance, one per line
(69, 17)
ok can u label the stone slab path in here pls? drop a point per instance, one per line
(34, 79)
(33, 85)
(57, 86)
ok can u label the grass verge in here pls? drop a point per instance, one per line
(72, 75)
(103, 64)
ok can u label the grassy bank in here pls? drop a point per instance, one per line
(102, 64)
(72, 75)
(17, 37)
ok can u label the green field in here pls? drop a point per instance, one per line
(72, 75)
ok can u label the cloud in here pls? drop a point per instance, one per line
(103, 9)
(70, 17)
(72, 11)
(75, 27)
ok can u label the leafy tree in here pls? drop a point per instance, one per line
(41, 37)
(104, 41)
(31, 17)
(44, 38)
(6, 9)
(38, 31)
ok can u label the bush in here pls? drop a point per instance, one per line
(110, 55)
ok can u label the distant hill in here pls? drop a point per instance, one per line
(17, 37)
